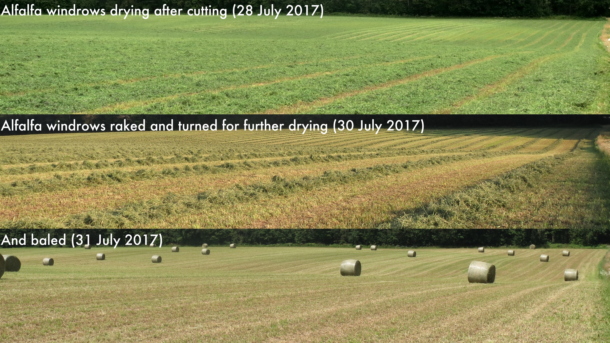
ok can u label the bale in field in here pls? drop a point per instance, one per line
(48, 261)
(374, 247)
(481, 272)
(87, 246)
(351, 268)
(570, 275)
(175, 249)
(411, 253)
(544, 258)
(232, 246)
(100, 257)
(204, 245)
(2, 265)
(12, 263)
(566, 253)
(482, 249)
(205, 251)
(153, 245)
(533, 246)
(156, 259)
(511, 253)
(358, 247)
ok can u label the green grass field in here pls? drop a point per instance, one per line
(255, 294)
(302, 65)
(463, 178)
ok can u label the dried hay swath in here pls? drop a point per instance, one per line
(156, 259)
(565, 253)
(175, 249)
(481, 249)
(205, 251)
(100, 257)
(511, 253)
(48, 261)
(374, 247)
(570, 275)
(481, 272)
(411, 253)
(358, 247)
(351, 268)
(544, 258)
(12, 263)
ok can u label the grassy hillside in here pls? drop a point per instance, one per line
(302, 65)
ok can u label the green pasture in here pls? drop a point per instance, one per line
(302, 65)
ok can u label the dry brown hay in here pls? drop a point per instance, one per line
(351, 268)
(481, 272)
(570, 275)
(12, 264)
(100, 257)
(204, 245)
(481, 249)
(565, 253)
(358, 247)
(544, 258)
(48, 261)
(374, 247)
(205, 251)
(412, 253)
(156, 259)
(533, 246)
(175, 249)
(232, 246)
(511, 253)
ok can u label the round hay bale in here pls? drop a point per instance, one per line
(374, 247)
(153, 245)
(481, 249)
(570, 275)
(351, 268)
(411, 253)
(100, 257)
(358, 247)
(533, 246)
(11, 263)
(511, 253)
(204, 245)
(2, 265)
(87, 246)
(175, 249)
(48, 261)
(156, 259)
(232, 246)
(481, 272)
(205, 251)
(544, 258)
(565, 253)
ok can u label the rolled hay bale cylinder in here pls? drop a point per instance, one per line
(156, 259)
(374, 247)
(48, 261)
(481, 249)
(204, 245)
(565, 253)
(100, 257)
(232, 246)
(481, 272)
(351, 268)
(511, 253)
(411, 253)
(87, 246)
(175, 249)
(2, 265)
(205, 251)
(153, 245)
(11, 263)
(570, 275)
(533, 246)
(544, 258)
(358, 247)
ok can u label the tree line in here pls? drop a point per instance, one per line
(385, 237)
(469, 8)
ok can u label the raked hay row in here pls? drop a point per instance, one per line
(461, 178)
(303, 65)
(298, 294)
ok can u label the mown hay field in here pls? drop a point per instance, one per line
(466, 178)
(303, 65)
(256, 294)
